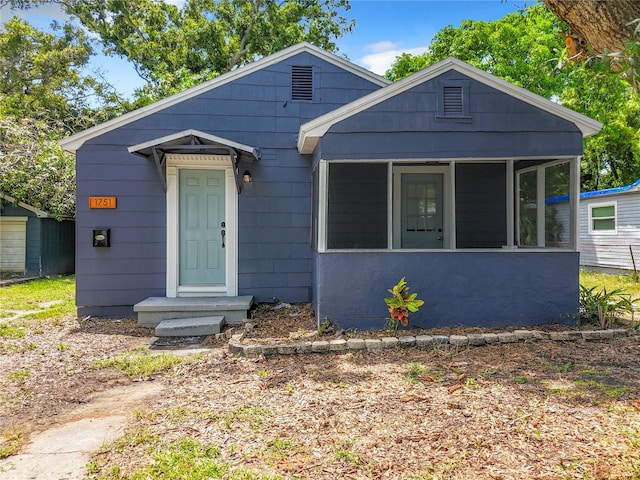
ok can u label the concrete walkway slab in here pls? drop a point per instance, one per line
(62, 452)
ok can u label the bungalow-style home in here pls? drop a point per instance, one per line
(306, 178)
(32, 242)
(609, 235)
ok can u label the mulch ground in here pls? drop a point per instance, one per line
(539, 410)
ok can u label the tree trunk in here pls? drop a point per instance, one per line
(604, 25)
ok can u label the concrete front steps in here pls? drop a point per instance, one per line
(191, 316)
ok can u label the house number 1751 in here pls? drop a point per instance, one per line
(102, 202)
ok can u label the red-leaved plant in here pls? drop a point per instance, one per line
(400, 304)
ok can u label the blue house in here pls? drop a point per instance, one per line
(304, 177)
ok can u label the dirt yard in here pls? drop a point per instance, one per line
(538, 410)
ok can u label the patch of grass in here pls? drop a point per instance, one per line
(184, 459)
(490, 372)
(564, 368)
(522, 379)
(11, 331)
(139, 362)
(595, 373)
(19, 376)
(343, 453)
(252, 416)
(279, 449)
(416, 370)
(141, 436)
(13, 440)
(47, 298)
(608, 390)
(472, 383)
(610, 282)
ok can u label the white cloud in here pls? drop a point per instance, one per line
(384, 54)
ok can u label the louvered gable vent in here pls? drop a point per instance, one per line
(453, 105)
(301, 83)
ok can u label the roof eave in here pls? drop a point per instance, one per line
(39, 213)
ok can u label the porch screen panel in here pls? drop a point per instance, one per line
(481, 205)
(357, 206)
(528, 209)
(556, 215)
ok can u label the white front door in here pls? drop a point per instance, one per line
(201, 226)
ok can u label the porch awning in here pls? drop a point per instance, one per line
(195, 142)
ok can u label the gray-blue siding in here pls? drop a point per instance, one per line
(274, 211)
(405, 127)
(459, 288)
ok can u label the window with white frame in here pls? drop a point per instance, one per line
(543, 213)
(602, 218)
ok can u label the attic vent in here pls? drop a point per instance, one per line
(301, 83)
(453, 104)
(453, 100)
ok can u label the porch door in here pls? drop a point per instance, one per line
(202, 227)
(421, 212)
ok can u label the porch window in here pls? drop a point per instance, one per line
(543, 221)
(602, 218)
(466, 204)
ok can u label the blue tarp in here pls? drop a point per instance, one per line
(597, 193)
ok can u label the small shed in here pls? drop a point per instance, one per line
(610, 228)
(32, 242)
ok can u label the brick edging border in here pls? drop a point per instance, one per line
(419, 341)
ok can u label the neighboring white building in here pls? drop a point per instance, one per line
(609, 223)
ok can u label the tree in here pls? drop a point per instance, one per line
(33, 168)
(602, 26)
(523, 48)
(44, 95)
(42, 77)
(527, 48)
(173, 48)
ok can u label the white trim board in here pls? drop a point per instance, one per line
(175, 162)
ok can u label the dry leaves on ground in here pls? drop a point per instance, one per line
(541, 410)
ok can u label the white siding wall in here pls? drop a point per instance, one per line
(612, 250)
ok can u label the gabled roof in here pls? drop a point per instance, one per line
(39, 213)
(75, 141)
(195, 141)
(311, 132)
(181, 142)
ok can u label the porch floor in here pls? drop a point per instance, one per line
(153, 310)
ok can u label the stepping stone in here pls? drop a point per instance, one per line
(190, 327)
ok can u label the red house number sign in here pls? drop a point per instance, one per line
(102, 202)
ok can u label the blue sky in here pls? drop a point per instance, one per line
(384, 29)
